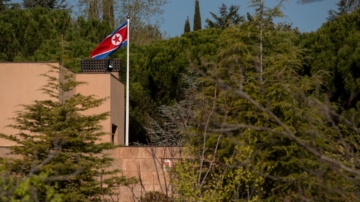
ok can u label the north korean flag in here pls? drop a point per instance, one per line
(115, 40)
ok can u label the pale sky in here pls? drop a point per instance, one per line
(307, 17)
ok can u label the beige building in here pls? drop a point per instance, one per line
(20, 84)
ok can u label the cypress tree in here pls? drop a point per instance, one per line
(197, 17)
(187, 26)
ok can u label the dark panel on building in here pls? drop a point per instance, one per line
(108, 65)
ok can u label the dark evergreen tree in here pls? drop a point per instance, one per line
(227, 17)
(187, 26)
(197, 17)
(25, 30)
(339, 54)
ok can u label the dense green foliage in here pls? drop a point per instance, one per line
(24, 31)
(334, 48)
(273, 135)
(197, 17)
(14, 188)
(266, 133)
(35, 35)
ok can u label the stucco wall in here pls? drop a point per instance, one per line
(117, 109)
(98, 85)
(148, 164)
(104, 85)
(20, 83)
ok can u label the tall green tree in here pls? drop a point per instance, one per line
(55, 138)
(187, 25)
(227, 17)
(197, 17)
(269, 136)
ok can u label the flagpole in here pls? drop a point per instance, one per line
(127, 82)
